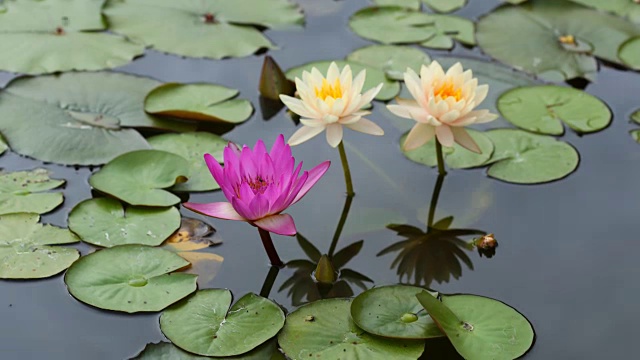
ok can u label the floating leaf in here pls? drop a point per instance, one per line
(389, 90)
(3, 145)
(205, 102)
(61, 36)
(25, 251)
(635, 117)
(393, 312)
(445, 6)
(139, 177)
(393, 25)
(455, 157)
(190, 27)
(542, 109)
(21, 191)
(449, 28)
(629, 52)
(393, 60)
(324, 329)
(525, 158)
(192, 147)
(130, 278)
(273, 81)
(105, 222)
(409, 4)
(625, 8)
(546, 26)
(635, 134)
(168, 351)
(479, 327)
(204, 324)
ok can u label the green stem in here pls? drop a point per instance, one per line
(269, 281)
(343, 220)
(271, 250)
(441, 170)
(345, 168)
(434, 200)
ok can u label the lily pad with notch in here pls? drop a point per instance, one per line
(445, 6)
(26, 250)
(106, 222)
(392, 59)
(23, 191)
(393, 312)
(449, 29)
(479, 327)
(393, 25)
(190, 27)
(192, 147)
(629, 52)
(325, 329)
(204, 323)
(140, 177)
(168, 351)
(525, 158)
(543, 109)
(130, 278)
(455, 157)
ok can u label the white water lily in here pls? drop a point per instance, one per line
(330, 103)
(443, 105)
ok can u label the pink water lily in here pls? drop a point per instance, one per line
(259, 185)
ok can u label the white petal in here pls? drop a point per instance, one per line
(368, 96)
(304, 133)
(297, 106)
(412, 81)
(444, 135)
(436, 70)
(346, 79)
(334, 134)
(338, 107)
(455, 70)
(312, 122)
(349, 119)
(316, 77)
(486, 118)
(419, 135)
(481, 94)
(366, 126)
(358, 82)
(407, 102)
(450, 116)
(333, 73)
(462, 137)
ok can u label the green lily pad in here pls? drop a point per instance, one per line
(190, 27)
(635, 117)
(168, 351)
(625, 8)
(449, 28)
(393, 25)
(543, 109)
(25, 251)
(445, 6)
(525, 158)
(392, 59)
(21, 191)
(206, 102)
(130, 278)
(139, 177)
(3, 145)
(479, 327)
(193, 146)
(393, 312)
(409, 4)
(390, 88)
(629, 52)
(204, 324)
(324, 329)
(62, 36)
(546, 23)
(455, 157)
(635, 134)
(105, 222)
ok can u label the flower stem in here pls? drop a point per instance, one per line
(271, 250)
(434, 200)
(345, 167)
(269, 281)
(343, 219)
(441, 169)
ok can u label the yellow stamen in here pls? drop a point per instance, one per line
(328, 90)
(448, 90)
(567, 40)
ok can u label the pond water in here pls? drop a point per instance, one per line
(565, 258)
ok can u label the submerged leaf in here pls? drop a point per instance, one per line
(22, 191)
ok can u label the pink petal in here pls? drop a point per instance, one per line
(248, 168)
(419, 135)
(259, 207)
(214, 168)
(314, 175)
(281, 224)
(220, 210)
(241, 207)
(462, 137)
(295, 190)
(444, 135)
(366, 126)
(279, 149)
(334, 134)
(259, 149)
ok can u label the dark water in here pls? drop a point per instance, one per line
(566, 256)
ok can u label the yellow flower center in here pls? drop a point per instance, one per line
(328, 90)
(448, 90)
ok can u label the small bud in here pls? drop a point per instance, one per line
(325, 272)
(486, 245)
(409, 318)
(567, 39)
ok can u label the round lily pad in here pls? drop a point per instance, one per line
(479, 327)
(22, 191)
(390, 88)
(445, 6)
(525, 158)
(210, 29)
(324, 329)
(394, 312)
(455, 157)
(204, 324)
(629, 52)
(625, 8)
(449, 28)
(26, 251)
(393, 25)
(62, 36)
(206, 102)
(168, 351)
(543, 109)
(193, 146)
(409, 4)
(550, 26)
(139, 177)
(392, 59)
(130, 278)
(105, 222)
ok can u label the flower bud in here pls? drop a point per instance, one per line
(325, 273)
(486, 245)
